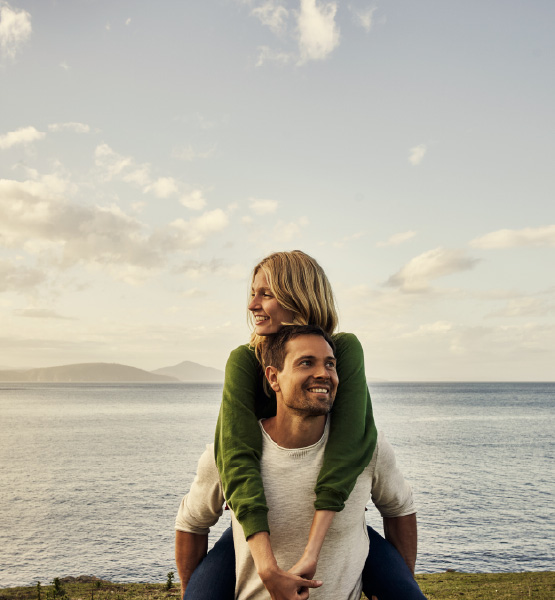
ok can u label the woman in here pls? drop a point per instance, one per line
(288, 288)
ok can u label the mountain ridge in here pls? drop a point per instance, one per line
(107, 373)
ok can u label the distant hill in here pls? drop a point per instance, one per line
(188, 371)
(87, 373)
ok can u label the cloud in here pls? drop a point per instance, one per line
(195, 231)
(38, 217)
(364, 18)
(284, 232)
(18, 278)
(24, 135)
(263, 207)
(512, 238)
(318, 32)
(416, 275)
(163, 187)
(189, 153)
(15, 29)
(397, 239)
(525, 307)
(416, 154)
(267, 54)
(193, 200)
(39, 313)
(272, 14)
(110, 161)
(348, 238)
(74, 127)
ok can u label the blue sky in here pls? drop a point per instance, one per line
(152, 153)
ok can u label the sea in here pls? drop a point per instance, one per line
(91, 475)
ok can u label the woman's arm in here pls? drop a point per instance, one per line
(353, 433)
(238, 440)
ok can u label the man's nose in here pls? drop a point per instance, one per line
(322, 372)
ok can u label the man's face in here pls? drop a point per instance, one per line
(308, 381)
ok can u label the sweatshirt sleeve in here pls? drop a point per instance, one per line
(391, 494)
(202, 506)
(353, 433)
(238, 442)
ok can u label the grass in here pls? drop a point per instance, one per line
(437, 586)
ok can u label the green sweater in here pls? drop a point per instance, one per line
(238, 440)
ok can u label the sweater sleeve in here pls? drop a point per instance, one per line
(353, 433)
(202, 506)
(238, 442)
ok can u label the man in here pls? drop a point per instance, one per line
(301, 370)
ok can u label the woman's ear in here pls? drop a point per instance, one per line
(271, 376)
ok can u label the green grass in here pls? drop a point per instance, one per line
(437, 586)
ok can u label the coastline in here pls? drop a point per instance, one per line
(450, 585)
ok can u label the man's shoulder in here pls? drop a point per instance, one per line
(207, 463)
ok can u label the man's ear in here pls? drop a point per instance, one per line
(271, 376)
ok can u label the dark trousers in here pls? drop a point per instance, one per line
(385, 573)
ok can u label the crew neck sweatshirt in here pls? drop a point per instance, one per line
(289, 477)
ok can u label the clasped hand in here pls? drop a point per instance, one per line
(294, 584)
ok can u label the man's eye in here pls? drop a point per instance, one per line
(305, 363)
(331, 365)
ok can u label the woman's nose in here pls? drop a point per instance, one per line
(254, 303)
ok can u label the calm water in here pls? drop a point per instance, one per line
(92, 475)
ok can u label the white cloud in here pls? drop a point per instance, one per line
(284, 232)
(263, 207)
(416, 275)
(189, 153)
(24, 135)
(38, 217)
(64, 66)
(416, 154)
(348, 238)
(512, 238)
(74, 127)
(397, 239)
(163, 187)
(15, 29)
(272, 14)
(267, 54)
(436, 328)
(365, 17)
(139, 175)
(318, 31)
(195, 231)
(194, 200)
(110, 161)
(525, 307)
(128, 21)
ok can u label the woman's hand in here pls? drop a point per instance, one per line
(285, 585)
(282, 585)
(305, 566)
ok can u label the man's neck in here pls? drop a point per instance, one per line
(291, 430)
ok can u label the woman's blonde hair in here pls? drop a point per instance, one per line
(300, 285)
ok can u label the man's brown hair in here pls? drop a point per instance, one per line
(273, 351)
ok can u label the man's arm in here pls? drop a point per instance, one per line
(190, 549)
(401, 532)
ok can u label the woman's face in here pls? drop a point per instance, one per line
(267, 313)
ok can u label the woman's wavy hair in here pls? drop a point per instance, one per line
(300, 285)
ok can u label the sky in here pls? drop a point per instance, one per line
(151, 153)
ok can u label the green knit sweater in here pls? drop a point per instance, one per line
(238, 440)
